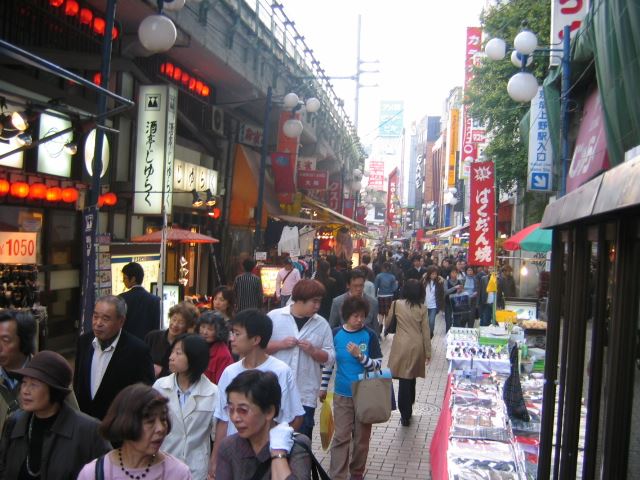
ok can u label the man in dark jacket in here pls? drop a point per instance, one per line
(108, 358)
(143, 309)
(417, 270)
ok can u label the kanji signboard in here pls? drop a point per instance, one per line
(483, 209)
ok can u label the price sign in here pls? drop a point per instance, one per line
(18, 247)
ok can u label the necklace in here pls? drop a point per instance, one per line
(129, 474)
(29, 471)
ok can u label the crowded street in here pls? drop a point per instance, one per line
(319, 240)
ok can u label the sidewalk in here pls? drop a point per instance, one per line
(399, 452)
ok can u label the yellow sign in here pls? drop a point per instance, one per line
(454, 125)
(268, 278)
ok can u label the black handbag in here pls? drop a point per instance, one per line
(317, 472)
(100, 468)
(393, 323)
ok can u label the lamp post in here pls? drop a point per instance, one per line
(523, 86)
(292, 128)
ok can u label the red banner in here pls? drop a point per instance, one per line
(335, 192)
(392, 197)
(312, 179)
(282, 167)
(347, 207)
(482, 209)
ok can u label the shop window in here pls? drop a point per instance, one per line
(63, 241)
(19, 219)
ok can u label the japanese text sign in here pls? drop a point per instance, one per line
(392, 197)
(482, 220)
(469, 140)
(312, 179)
(540, 164)
(18, 247)
(454, 121)
(565, 12)
(335, 192)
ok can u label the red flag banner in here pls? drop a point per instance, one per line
(347, 207)
(392, 197)
(282, 167)
(335, 192)
(483, 209)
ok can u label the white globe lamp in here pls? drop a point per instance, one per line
(496, 48)
(312, 105)
(157, 33)
(516, 59)
(292, 128)
(173, 5)
(290, 101)
(522, 87)
(525, 42)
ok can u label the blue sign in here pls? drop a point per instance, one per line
(539, 181)
(391, 118)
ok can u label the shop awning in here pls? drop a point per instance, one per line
(331, 216)
(300, 220)
(453, 231)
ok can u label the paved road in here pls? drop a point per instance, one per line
(402, 453)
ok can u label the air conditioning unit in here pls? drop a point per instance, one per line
(217, 120)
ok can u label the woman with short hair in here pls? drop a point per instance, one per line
(213, 328)
(138, 419)
(47, 439)
(192, 398)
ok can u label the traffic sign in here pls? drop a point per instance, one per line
(539, 181)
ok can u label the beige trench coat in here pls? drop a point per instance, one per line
(412, 342)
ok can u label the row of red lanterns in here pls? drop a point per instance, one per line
(85, 16)
(38, 191)
(180, 75)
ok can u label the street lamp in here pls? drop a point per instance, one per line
(523, 86)
(292, 128)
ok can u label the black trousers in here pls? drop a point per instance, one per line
(406, 397)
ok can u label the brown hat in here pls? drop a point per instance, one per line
(50, 368)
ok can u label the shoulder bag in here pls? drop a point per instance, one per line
(100, 468)
(372, 399)
(317, 472)
(393, 323)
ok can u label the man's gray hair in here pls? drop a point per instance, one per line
(119, 303)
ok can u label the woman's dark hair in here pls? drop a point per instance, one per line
(187, 310)
(262, 388)
(430, 270)
(386, 267)
(307, 289)
(129, 409)
(218, 322)
(227, 294)
(25, 329)
(256, 323)
(322, 273)
(354, 305)
(196, 349)
(413, 292)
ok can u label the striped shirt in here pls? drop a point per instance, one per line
(247, 288)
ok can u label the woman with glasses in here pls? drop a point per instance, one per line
(262, 449)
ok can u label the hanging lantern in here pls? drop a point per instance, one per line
(5, 186)
(38, 191)
(157, 33)
(20, 189)
(110, 199)
(54, 194)
(99, 26)
(69, 195)
(215, 213)
(86, 16)
(71, 8)
(101, 201)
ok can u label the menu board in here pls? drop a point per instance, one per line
(268, 277)
(150, 264)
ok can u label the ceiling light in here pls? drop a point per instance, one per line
(211, 200)
(19, 121)
(197, 201)
(71, 148)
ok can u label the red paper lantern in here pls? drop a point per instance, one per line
(99, 26)
(20, 189)
(169, 69)
(115, 33)
(54, 194)
(71, 8)
(69, 195)
(216, 213)
(177, 74)
(56, 3)
(97, 78)
(5, 186)
(101, 201)
(205, 91)
(185, 78)
(38, 191)
(192, 84)
(199, 86)
(86, 15)
(110, 199)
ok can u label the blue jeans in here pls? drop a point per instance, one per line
(486, 313)
(432, 319)
(307, 421)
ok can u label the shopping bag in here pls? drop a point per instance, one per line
(372, 399)
(326, 422)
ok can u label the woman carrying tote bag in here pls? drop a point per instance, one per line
(411, 347)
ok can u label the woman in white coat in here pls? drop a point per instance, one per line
(192, 398)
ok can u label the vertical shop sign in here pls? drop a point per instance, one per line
(361, 214)
(565, 12)
(89, 228)
(454, 122)
(483, 209)
(289, 146)
(469, 143)
(392, 197)
(282, 166)
(540, 160)
(157, 108)
(335, 192)
(347, 207)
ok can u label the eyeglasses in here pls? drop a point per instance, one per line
(242, 410)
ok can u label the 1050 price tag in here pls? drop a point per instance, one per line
(18, 247)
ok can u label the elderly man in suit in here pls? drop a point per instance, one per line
(143, 308)
(355, 287)
(108, 358)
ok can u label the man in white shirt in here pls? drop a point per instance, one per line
(286, 279)
(302, 339)
(250, 335)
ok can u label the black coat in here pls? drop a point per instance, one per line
(130, 363)
(72, 442)
(143, 311)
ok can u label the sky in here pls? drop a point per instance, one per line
(419, 44)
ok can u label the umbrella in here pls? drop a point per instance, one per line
(177, 235)
(532, 239)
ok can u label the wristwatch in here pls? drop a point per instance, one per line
(279, 455)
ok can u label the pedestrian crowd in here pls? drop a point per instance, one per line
(228, 392)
